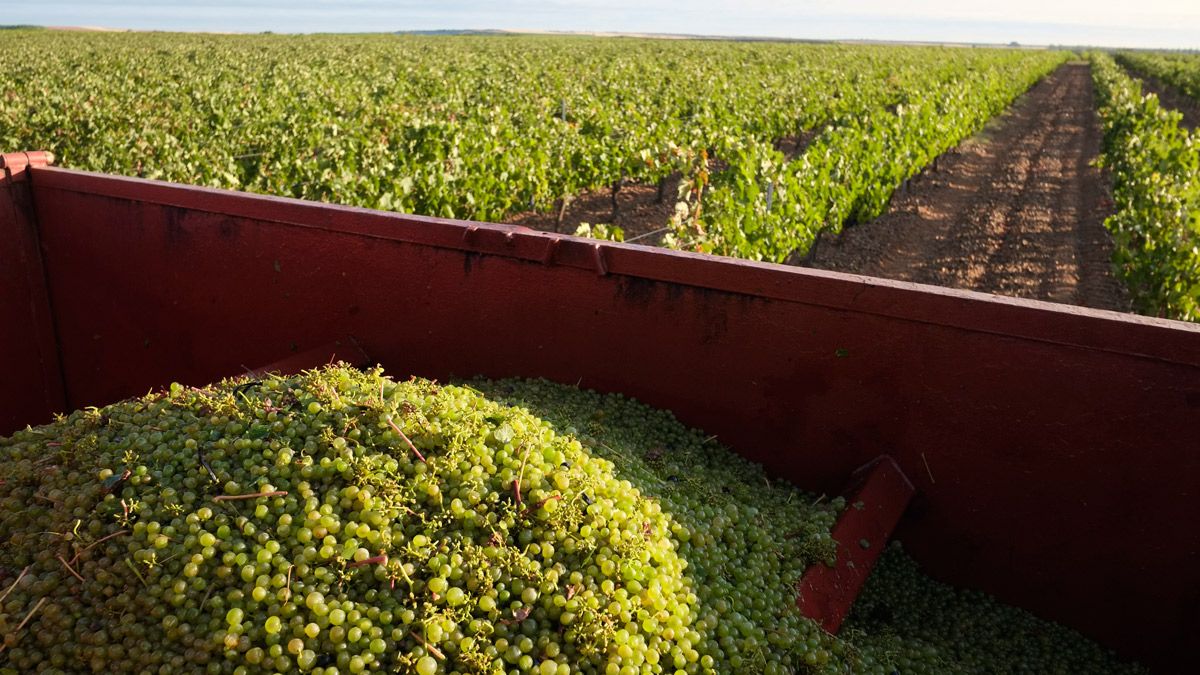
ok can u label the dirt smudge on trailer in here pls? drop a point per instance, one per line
(228, 227)
(715, 315)
(714, 310)
(173, 225)
(1019, 210)
(637, 290)
(470, 260)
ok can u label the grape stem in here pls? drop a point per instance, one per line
(520, 477)
(136, 573)
(97, 542)
(14, 584)
(289, 585)
(70, 569)
(377, 560)
(432, 650)
(22, 624)
(255, 495)
(539, 505)
(207, 467)
(206, 596)
(406, 440)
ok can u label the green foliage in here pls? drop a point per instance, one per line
(1181, 71)
(483, 127)
(767, 207)
(1155, 166)
(600, 231)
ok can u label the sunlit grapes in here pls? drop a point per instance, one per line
(342, 522)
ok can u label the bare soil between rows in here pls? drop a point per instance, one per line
(1018, 210)
(642, 212)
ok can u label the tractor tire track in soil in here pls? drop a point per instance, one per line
(1018, 210)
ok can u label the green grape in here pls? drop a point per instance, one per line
(426, 666)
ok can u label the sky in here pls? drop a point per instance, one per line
(1118, 23)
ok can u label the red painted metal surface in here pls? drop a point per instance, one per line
(1046, 441)
(876, 500)
(27, 336)
(346, 351)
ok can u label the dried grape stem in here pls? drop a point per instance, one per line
(14, 584)
(22, 624)
(432, 650)
(406, 440)
(256, 495)
(207, 467)
(377, 560)
(97, 542)
(70, 569)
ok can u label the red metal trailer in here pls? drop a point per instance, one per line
(1053, 448)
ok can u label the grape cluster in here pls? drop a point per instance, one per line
(332, 522)
(339, 521)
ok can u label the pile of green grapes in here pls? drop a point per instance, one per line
(902, 623)
(341, 522)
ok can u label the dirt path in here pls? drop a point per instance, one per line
(1018, 210)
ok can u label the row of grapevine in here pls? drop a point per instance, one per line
(767, 207)
(1181, 71)
(485, 127)
(1155, 166)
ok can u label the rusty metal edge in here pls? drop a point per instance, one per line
(1127, 334)
(876, 499)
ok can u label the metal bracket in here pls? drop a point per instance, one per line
(14, 163)
(879, 494)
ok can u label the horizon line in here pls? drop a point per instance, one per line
(449, 32)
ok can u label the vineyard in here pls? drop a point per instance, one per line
(754, 150)
(733, 495)
(482, 128)
(1156, 174)
(1178, 70)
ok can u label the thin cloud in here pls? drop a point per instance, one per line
(1146, 23)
